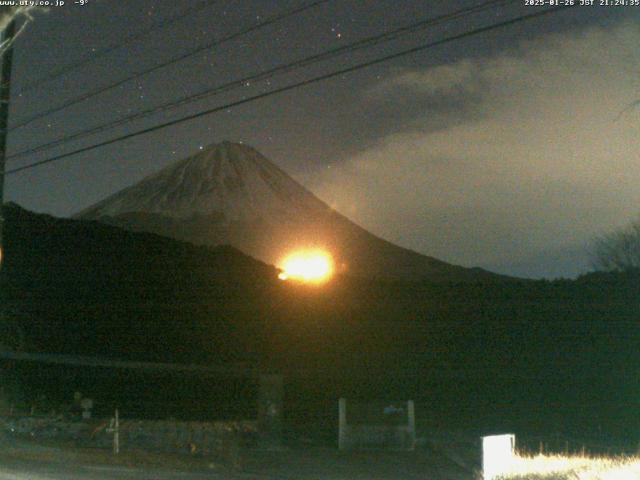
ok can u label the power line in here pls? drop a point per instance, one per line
(107, 50)
(354, 46)
(296, 85)
(269, 21)
(81, 361)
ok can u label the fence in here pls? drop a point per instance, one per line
(120, 380)
(202, 438)
(388, 425)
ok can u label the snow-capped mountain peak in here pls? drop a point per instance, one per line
(228, 179)
(230, 194)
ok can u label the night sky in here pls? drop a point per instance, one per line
(508, 150)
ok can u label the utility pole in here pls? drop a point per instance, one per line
(6, 38)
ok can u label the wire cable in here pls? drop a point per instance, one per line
(270, 73)
(296, 85)
(111, 48)
(269, 21)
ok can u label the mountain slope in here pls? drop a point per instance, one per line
(231, 194)
(94, 289)
(232, 180)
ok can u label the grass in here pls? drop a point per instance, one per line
(576, 467)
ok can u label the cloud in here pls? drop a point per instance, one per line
(441, 80)
(542, 159)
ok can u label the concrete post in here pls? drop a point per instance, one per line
(116, 434)
(342, 423)
(270, 396)
(411, 424)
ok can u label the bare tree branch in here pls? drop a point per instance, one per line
(618, 251)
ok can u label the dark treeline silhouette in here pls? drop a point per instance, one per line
(528, 356)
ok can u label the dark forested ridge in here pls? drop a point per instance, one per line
(82, 287)
(507, 354)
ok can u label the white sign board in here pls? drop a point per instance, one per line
(498, 452)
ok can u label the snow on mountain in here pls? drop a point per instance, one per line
(231, 194)
(227, 179)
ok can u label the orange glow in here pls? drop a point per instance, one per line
(312, 266)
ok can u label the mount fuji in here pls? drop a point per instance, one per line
(229, 193)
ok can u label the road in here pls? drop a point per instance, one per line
(299, 467)
(32, 461)
(29, 470)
